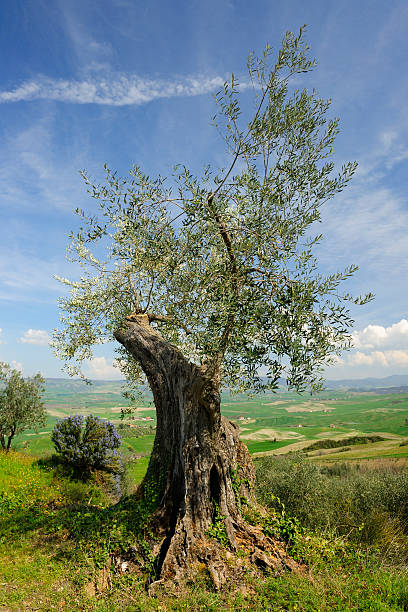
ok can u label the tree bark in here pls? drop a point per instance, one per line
(10, 437)
(6, 446)
(198, 463)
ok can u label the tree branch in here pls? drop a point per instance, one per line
(135, 316)
(216, 362)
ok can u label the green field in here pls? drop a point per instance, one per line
(287, 422)
(272, 424)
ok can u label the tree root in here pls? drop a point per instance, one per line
(204, 558)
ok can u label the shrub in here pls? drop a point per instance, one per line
(87, 444)
(329, 443)
(339, 498)
(298, 484)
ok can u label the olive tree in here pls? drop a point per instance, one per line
(21, 405)
(210, 281)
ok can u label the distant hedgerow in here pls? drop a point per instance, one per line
(88, 444)
(329, 443)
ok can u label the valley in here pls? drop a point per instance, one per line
(270, 424)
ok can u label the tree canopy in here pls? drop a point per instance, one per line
(223, 263)
(21, 405)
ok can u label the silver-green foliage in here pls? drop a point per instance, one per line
(223, 262)
(21, 403)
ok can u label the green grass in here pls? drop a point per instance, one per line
(141, 445)
(55, 534)
(137, 470)
(34, 575)
(23, 484)
(53, 544)
(260, 446)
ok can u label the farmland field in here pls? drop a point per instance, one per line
(286, 422)
(271, 424)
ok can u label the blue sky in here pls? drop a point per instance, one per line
(131, 81)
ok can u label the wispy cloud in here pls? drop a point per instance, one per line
(114, 90)
(39, 337)
(24, 276)
(368, 225)
(395, 149)
(36, 171)
(85, 48)
(392, 29)
(388, 149)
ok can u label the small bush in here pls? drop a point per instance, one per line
(369, 506)
(87, 444)
(299, 485)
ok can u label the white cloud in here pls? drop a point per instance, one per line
(100, 368)
(17, 365)
(398, 358)
(381, 351)
(336, 360)
(392, 340)
(115, 90)
(377, 336)
(364, 359)
(386, 359)
(35, 336)
(1, 332)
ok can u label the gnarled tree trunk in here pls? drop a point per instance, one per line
(198, 459)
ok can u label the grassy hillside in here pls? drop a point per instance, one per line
(341, 506)
(57, 537)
